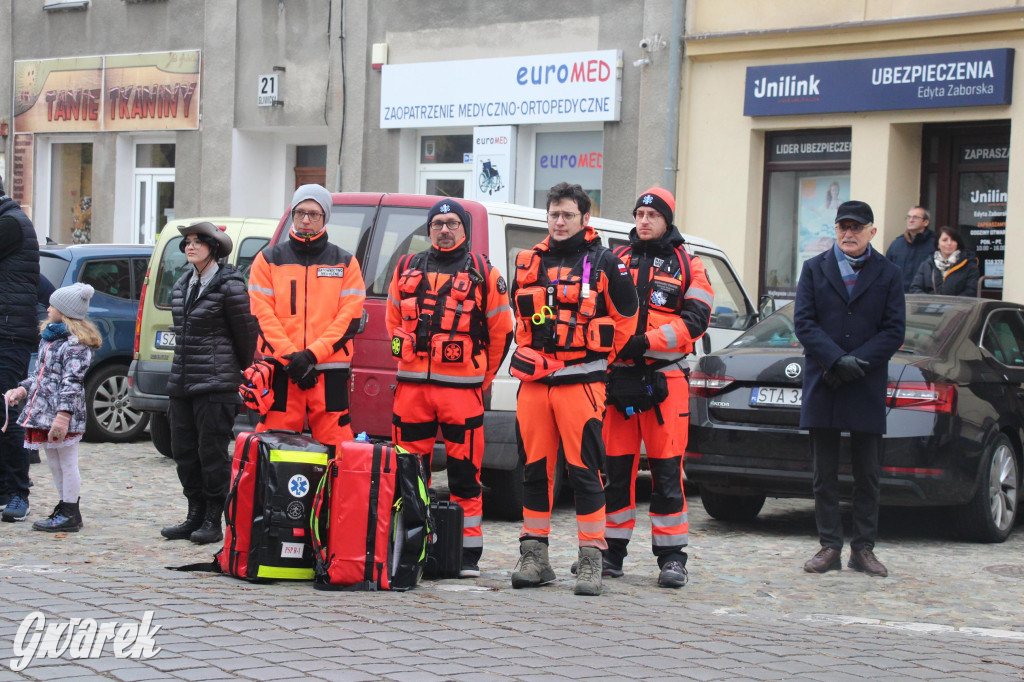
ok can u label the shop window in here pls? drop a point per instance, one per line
(576, 158)
(445, 148)
(71, 193)
(807, 176)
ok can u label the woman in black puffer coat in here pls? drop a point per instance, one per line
(215, 340)
(951, 271)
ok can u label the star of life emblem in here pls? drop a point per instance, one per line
(659, 298)
(445, 208)
(648, 199)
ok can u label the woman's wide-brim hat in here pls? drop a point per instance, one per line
(210, 230)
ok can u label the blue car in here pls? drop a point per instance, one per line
(116, 272)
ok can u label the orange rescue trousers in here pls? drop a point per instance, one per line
(665, 446)
(325, 406)
(419, 410)
(568, 416)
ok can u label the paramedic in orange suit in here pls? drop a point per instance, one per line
(307, 295)
(451, 327)
(575, 306)
(675, 310)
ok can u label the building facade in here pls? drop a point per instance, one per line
(125, 113)
(791, 107)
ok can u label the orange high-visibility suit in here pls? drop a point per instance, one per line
(309, 295)
(575, 306)
(675, 310)
(451, 327)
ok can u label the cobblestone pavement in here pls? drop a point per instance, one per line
(949, 610)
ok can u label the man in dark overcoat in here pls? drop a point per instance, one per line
(850, 317)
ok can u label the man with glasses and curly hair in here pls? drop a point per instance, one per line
(307, 295)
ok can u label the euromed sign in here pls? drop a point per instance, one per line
(928, 81)
(550, 88)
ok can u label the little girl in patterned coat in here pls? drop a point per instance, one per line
(54, 416)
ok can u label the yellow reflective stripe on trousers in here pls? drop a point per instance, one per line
(295, 456)
(284, 573)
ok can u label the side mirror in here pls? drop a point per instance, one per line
(765, 307)
(705, 342)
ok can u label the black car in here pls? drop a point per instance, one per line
(955, 417)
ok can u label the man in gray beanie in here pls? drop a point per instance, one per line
(19, 280)
(307, 295)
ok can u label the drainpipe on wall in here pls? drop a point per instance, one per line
(674, 79)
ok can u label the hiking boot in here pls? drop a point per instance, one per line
(65, 518)
(673, 574)
(608, 568)
(193, 521)
(865, 561)
(533, 567)
(588, 572)
(470, 569)
(210, 530)
(16, 510)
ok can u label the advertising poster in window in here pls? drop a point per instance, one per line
(494, 149)
(819, 199)
(982, 221)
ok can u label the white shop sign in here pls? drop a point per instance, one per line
(551, 88)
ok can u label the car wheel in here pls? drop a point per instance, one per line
(160, 433)
(109, 417)
(990, 515)
(725, 507)
(503, 498)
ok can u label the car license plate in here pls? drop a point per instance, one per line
(165, 339)
(776, 396)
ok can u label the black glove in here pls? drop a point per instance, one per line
(849, 368)
(301, 369)
(635, 348)
(831, 380)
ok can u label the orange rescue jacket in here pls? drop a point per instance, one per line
(307, 296)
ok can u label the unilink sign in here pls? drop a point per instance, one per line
(951, 79)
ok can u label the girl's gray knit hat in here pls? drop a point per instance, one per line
(73, 301)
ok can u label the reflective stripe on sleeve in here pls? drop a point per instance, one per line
(256, 287)
(701, 295)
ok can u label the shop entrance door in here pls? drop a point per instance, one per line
(965, 184)
(154, 205)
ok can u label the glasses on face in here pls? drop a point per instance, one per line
(853, 228)
(452, 225)
(314, 217)
(914, 217)
(567, 216)
(193, 243)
